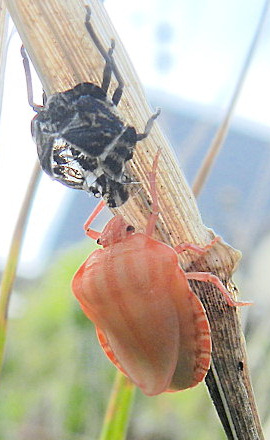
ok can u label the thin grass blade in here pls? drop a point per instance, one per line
(118, 410)
(9, 273)
(222, 131)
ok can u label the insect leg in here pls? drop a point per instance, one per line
(29, 84)
(153, 190)
(107, 72)
(210, 278)
(90, 232)
(148, 126)
(110, 65)
(193, 247)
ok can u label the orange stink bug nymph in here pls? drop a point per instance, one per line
(149, 322)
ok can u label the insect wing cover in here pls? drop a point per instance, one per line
(139, 298)
(139, 323)
(83, 143)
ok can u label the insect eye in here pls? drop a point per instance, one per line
(130, 228)
(98, 241)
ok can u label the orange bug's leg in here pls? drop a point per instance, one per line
(193, 247)
(90, 232)
(153, 190)
(210, 278)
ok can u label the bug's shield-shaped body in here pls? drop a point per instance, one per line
(81, 138)
(83, 143)
(149, 321)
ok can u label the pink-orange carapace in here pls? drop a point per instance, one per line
(149, 322)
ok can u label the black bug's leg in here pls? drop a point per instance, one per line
(107, 72)
(29, 86)
(110, 65)
(148, 126)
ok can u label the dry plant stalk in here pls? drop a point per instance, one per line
(63, 55)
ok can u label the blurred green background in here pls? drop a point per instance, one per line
(56, 380)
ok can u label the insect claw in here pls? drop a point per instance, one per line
(157, 112)
(112, 44)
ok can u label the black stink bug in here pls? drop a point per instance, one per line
(81, 139)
